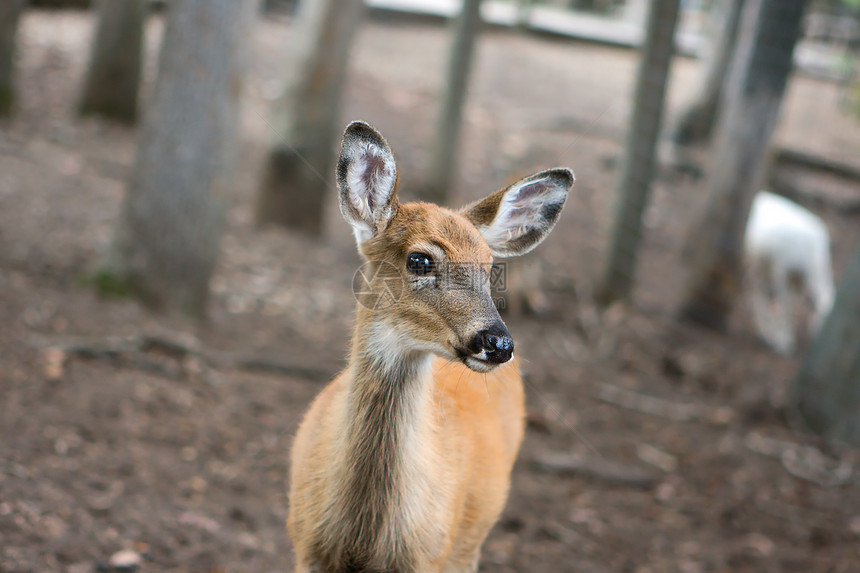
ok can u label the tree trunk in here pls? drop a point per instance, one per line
(523, 9)
(61, 4)
(696, 121)
(10, 11)
(167, 239)
(827, 388)
(635, 180)
(443, 161)
(760, 69)
(111, 85)
(299, 169)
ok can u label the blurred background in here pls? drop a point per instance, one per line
(175, 277)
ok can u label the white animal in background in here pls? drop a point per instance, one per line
(787, 250)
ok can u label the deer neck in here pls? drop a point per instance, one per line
(385, 428)
(389, 387)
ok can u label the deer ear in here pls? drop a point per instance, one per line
(516, 219)
(366, 180)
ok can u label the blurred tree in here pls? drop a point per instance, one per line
(443, 164)
(696, 121)
(112, 80)
(600, 6)
(10, 10)
(284, 6)
(61, 3)
(634, 183)
(307, 121)
(827, 388)
(167, 237)
(523, 9)
(761, 65)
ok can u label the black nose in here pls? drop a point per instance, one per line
(496, 342)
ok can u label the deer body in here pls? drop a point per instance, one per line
(402, 464)
(425, 495)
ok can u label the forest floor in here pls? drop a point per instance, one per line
(122, 429)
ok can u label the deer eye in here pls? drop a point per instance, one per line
(420, 264)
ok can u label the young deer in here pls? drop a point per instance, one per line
(402, 464)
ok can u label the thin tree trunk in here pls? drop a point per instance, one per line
(299, 168)
(827, 388)
(111, 85)
(696, 121)
(10, 11)
(523, 9)
(167, 239)
(635, 181)
(61, 4)
(443, 162)
(754, 92)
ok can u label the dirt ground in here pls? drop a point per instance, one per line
(126, 430)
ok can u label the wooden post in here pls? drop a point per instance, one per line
(827, 388)
(756, 83)
(443, 163)
(634, 184)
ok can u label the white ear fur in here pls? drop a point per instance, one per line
(366, 179)
(515, 220)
